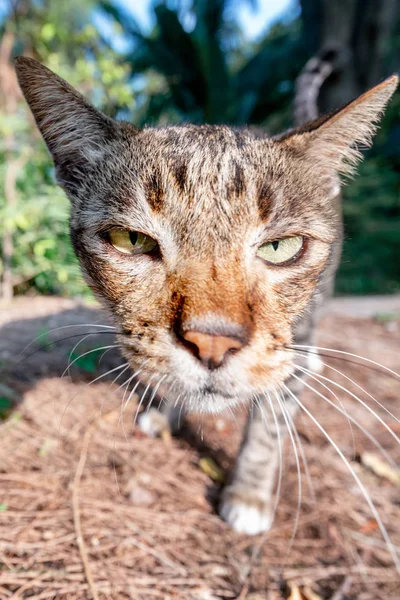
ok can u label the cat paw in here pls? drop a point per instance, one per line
(244, 514)
(153, 423)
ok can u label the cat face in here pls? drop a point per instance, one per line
(207, 244)
(210, 200)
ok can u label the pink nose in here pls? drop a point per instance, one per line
(212, 349)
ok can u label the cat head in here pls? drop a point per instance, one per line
(208, 244)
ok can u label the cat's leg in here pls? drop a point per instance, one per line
(247, 502)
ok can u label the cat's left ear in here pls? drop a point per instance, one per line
(334, 141)
(76, 133)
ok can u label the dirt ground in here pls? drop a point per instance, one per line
(91, 509)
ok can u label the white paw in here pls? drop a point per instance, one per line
(245, 518)
(314, 362)
(153, 423)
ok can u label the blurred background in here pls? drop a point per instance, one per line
(214, 61)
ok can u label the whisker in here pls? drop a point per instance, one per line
(65, 327)
(180, 411)
(125, 404)
(331, 357)
(280, 451)
(299, 476)
(141, 401)
(362, 488)
(123, 408)
(316, 348)
(259, 403)
(302, 454)
(70, 356)
(132, 377)
(171, 387)
(126, 386)
(69, 337)
(104, 353)
(373, 412)
(362, 389)
(84, 387)
(86, 354)
(344, 411)
(348, 416)
(151, 397)
(126, 365)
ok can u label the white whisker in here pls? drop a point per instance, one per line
(141, 401)
(104, 353)
(348, 416)
(362, 389)
(361, 486)
(180, 411)
(70, 356)
(302, 454)
(67, 327)
(344, 411)
(280, 452)
(84, 387)
(126, 365)
(316, 348)
(299, 477)
(153, 395)
(374, 413)
(85, 354)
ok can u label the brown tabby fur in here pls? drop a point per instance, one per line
(210, 196)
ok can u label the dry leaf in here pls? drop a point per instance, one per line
(210, 467)
(380, 468)
(166, 436)
(309, 594)
(295, 593)
(305, 593)
(369, 526)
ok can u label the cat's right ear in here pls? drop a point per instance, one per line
(334, 140)
(75, 132)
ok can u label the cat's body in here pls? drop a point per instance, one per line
(178, 231)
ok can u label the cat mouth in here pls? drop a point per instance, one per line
(212, 390)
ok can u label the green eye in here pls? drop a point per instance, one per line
(281, 251)
(131, 242)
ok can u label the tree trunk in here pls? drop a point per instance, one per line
(355, 35)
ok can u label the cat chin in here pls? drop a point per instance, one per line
(212, 403)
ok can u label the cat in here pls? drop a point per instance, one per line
(214, 249)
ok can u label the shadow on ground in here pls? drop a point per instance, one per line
(90, 508)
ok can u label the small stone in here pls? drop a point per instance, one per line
(140, 496)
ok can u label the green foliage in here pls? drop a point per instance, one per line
(43, 255)
(63, 37)
(87, 360)
(5, 406)
(208, 73)
(371, 208)
(200, 75)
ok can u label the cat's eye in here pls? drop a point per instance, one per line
(281, 251)
(131, 242)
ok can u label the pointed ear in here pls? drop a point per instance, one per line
(75, 132)
(335, 140)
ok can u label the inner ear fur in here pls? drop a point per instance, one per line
(335, 139)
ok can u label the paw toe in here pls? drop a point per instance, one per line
(246, 517)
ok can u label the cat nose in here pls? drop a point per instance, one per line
(212, 349)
